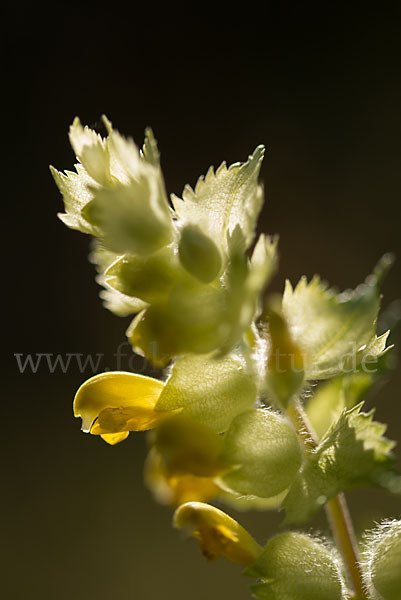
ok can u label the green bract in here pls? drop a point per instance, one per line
(189, 320)
(265, 452)
(297, 567)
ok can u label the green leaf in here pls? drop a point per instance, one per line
(150, 151)
(353, 453)
(116, 302)
(101, 257)
(131, 216)
(117, 193)
(333, 396)
(76, 194)
(295, 566)
(211, 391)
(224, 199)
(335, 331)
(190, 320)
(383, 561)
(92, 151)
(120, 304)
(265, 452)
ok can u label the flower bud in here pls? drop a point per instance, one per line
(384, 564)
(199, 254)
(285, 374)
(176, 487)
(218, 534)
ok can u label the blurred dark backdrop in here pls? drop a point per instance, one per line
(322, 89)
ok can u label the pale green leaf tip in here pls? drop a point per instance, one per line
(149, 133)
(76, 123)
(108, 124)
(381, 269)
(55, 173)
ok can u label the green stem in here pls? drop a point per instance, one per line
(343, 531)
(336, 509)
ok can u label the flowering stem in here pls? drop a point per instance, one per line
(336, 509)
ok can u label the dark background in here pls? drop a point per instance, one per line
(322, 90)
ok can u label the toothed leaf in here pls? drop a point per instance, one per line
(150, 151)
(224, 199)
(131, 216)
(333, 396)
(352, 454)
(76, 194)
(92, 151)
(335, 331)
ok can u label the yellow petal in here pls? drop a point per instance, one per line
(176, 489)
(132, 418)
(115, 390)
(218, 534)
(189, 488)
(114, 438)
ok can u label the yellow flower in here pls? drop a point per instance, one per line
(175, 488)
(188, 446)
(113, 404)
(218, 534)
(183, 461)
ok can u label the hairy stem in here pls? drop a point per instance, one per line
(336, 509)
(343, 531)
